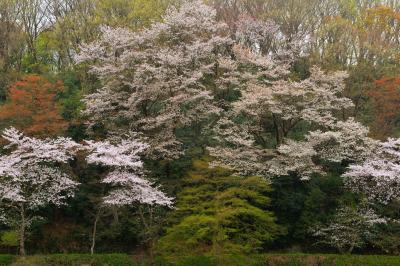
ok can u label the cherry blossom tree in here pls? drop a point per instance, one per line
(125, 176)
(31, 177)
(237, 149)
(289, 102)
(350, 228)
(378, 176)
(343, 141)
(155, 79)
(255, 135)
(260, 36)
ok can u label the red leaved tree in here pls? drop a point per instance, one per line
(386, 105)
(32, 107)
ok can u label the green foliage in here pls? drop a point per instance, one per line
(388, 236)
(71, 104)
(291, 260)
(217, 212)
(135, 14)
(300, 205)
(222, 260)
(6, 79)
(41, 62)
(6, 259)
(197, 261)
(388, 239)
(9, 238)
(78, 259)
(326, 260)
(71, 96)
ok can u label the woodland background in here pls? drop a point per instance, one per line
(41, 92)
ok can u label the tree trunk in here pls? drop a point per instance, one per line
(22, 230)
(115, 215)
(96, 220)
(350, 250)
(277, 131)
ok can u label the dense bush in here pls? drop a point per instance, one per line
(223, 260)
(220, 213)
(78, 259)
(6, 259)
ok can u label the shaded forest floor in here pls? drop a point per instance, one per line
(228, 260)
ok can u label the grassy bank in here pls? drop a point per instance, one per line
(228, 260)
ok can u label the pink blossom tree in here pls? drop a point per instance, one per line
(271, 99)
(155, 79)
(342, 141)
(378, 176)
(125, 177)
(350, 228)
(31, 178)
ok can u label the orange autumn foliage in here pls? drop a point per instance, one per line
(32, 107)
(386, 104)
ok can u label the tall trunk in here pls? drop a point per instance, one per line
(148, 239)
(22, 230)
(141, 214)
(167, 170)
(278, 134)
(96, 220)
(352, 246)
(115, 215)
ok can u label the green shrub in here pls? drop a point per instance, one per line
(198, 261)
(82, 259)
(6, 259)
(217, 213)
(221, 260)
(9, 239)
(289, 260)
(327, 260)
